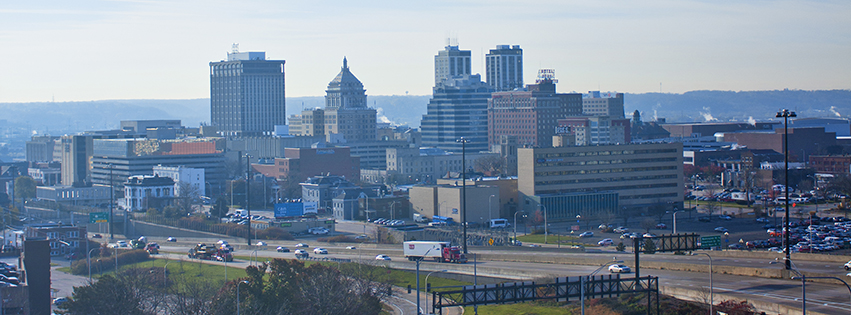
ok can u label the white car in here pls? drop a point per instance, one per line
(619, 268)
(721, 229)
(848, 266)
(587, 234)
(351, 247)
(320, 250)
(382, 257)
(261, 243)
(606, 242)
(301, 245)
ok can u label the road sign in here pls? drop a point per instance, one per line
(490, 241)
(98, 217)
(710, 241)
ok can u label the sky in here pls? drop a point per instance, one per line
(59, 50)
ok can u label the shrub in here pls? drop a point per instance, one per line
(337, 239)
(274, 233)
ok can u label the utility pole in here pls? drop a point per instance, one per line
(247, 194)
(463, 142)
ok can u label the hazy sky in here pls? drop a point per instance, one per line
(95, 50)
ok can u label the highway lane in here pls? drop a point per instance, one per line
(825, 298)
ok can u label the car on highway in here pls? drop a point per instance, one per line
(661, 226)
(300, 253)
(848, 265)
(721, 229)
(97, 236)
(58, 301)
(586, 234)
(533, 245)
(261, 243)
(351, 247)
(762, 220)
(704, 219)
(630, 235)
(282, 249)
(606, 242)
(301, 245)
(725, 217)
(619, 268)
(362, 237)
(171, 239)
(648, 235)
(382, 257)
(620, 229)
(320, 250)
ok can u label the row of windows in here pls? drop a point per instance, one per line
(610, 179)
(605, 162)
(604, 152)
(651, 196)
(615, 188)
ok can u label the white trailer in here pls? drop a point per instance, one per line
(424, 249)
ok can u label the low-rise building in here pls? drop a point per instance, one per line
(144, 192)
(64, 239)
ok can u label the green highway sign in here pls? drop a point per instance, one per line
(710, 241)
(98, 217)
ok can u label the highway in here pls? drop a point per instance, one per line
(822, 298)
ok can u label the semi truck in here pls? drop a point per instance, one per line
(433, 250)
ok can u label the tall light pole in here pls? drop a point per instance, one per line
(165, 273)
(247, 195)
(418, 279)
(515, 225)
(463, 142)
(711, 291)
(89, 262)
(785, 113)
(237, 294)
(545, 222)
(803, 283)
(426, 284)
(111, 202)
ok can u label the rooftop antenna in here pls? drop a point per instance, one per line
(234, 48)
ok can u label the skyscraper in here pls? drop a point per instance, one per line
(451, 62)
(247, 94)
(504, 68)
(458, 108)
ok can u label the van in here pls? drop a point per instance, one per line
(499, 223)
(241, 212)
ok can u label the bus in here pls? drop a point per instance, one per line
(443, 220)
(499, 223)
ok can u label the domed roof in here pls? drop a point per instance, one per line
(345, 79)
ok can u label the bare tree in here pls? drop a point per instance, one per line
(712, 204)
(491, 165)
(647, 224)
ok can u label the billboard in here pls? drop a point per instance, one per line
(290, 209)
(310, 207)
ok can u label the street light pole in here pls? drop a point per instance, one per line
(247, 195)
(463, 142)
(711, 292)
(237, 294)
(515, 225)
(426, 284)
(785, 113)
(89, 262)
(545, 223)
(675, 220)
(165, 273)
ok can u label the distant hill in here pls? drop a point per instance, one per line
(699, 106)
(69, 117)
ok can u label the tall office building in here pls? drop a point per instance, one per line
(247, 94)
(458, 108)
(603, 104)
(532, 114)
(451, 62)
(346, 112)
(504, 68)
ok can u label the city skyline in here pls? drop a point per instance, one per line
(99, 50)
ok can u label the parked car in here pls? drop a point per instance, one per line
(848, 265)
(58, 301)
(320, 250)
(587, 234)
(382, 257)
(282, 249)
(606, 242)
(12, 280)
(619, 268)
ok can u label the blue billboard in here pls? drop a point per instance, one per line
(290, 209)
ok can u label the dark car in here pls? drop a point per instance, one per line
(97, 236)
(704, 219)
